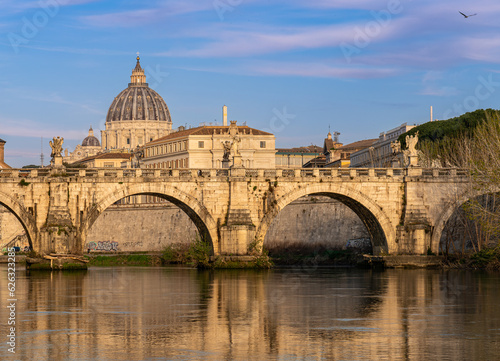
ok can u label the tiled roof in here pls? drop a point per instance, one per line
(110, 155)
(317, 162)
(329, 144)
(208, 130)
(308, 149)
(361, 144)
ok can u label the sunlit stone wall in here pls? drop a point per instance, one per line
(10, 227)
(140, 227)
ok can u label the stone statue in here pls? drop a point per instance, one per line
(235, 144)
(56, 145)
(410, 154)
(396, 151)
(227, 150)
(396, 147)
(411, 142)
(138, 155)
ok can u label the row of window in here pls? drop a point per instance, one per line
(171, 164)
(167, 148)
(201, 144)
(177, 147)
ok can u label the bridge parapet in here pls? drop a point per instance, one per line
(332, 173)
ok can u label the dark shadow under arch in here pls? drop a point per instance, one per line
(29, 219)
(464, 232)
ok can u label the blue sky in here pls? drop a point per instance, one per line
(293, 67)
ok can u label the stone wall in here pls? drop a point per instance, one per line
(315, 221)
(140, 227)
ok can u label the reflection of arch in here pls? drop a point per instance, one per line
(194, 209)
(377, 223)
(449, 209)
(25, 218)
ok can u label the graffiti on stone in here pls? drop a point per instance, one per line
(103, 246)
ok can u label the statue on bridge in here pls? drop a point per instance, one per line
(56, 145)
(138, 153)
(411, 153)
(396, 152)
(227, 150)
(235, 144)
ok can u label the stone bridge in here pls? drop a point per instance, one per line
(404, 210)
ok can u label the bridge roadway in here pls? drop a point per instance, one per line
(404, 209)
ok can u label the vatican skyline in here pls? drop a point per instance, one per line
(292, 68)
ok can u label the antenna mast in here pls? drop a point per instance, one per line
(41, 152)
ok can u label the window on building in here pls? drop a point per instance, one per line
(109, 164)
(150, 139)
(201, 144)
(128, 140)
(262, 144)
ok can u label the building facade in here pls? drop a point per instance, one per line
(137, 115)
(380, 153)
(90, 146)
(296, 157)
(205, 147)
(340, 156)
(107, 160)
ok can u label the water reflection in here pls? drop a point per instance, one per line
(180, 313)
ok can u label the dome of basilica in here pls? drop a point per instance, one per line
(90, 140)
(138, 102)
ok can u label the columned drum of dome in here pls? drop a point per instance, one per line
(137, 115)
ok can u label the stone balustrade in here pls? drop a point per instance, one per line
(343, 173)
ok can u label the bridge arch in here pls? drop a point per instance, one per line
(380, 228)
(26, 219)
(196, 211)
(445, 216)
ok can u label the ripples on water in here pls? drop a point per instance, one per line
(185, 314)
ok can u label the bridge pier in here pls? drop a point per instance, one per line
(238, 233)
(413, 239)
(58, 234)
(414, 233)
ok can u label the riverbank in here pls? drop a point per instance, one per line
(199, 256)
(113, 260)
(487, 259)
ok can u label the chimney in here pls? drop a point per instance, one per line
(431, 114)
(2, 144)
(224, 116)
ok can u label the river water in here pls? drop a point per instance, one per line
(303, 314)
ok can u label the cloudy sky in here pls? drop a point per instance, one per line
(293, 67)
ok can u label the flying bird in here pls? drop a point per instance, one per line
(466, 16)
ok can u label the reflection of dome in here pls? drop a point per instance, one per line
(138, 101)
(91, 141)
